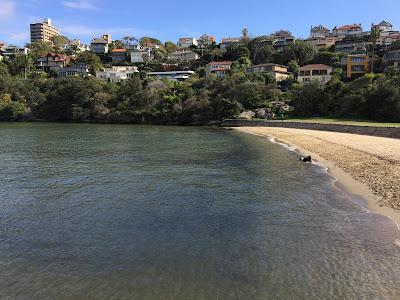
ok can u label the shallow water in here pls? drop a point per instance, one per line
(147, 212)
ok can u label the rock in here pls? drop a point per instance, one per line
(247, 115)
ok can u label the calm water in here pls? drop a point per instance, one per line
(142, 212)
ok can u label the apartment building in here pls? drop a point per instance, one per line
(357, 65)
(322, 41)
(119, 55)
(392, 58)
(278, 72)
(43, 32)
(316, 72)
(141, 55)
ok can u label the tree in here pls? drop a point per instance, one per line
(236, 51)
(39, 49)
(59, 41)
(375, 36)
(91, 59)
(300, 51)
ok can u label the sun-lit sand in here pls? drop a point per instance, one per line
(358, 161)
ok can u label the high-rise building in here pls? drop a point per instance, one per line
(43, 32)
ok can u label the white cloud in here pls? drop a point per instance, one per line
(79, 4)
(7, 9)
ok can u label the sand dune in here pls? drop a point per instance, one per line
(372, 161)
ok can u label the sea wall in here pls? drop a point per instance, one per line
(390, 132)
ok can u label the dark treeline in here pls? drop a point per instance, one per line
(199, 100)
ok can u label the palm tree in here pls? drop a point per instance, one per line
(375, 36)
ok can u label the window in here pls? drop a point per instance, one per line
(357, 59)
(357, 68)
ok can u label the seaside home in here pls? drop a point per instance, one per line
(118, 55)
(390, 39)
(322, 42)
(81, 70)
(100, 46)
(12, 51)
(384, 27)
(172, 75)
(316, 72)
(187, 42)
(206, 40)
(357, 65)
(140, 56)
(74, 46)
(52, 62)
(220, 69)
(319, 31)
(226, 42)
(150, 46)
(278, 72)
(183, 56)
(392, 58)
(354, 29)
(117, 73)
(352, 44)
(43, 32)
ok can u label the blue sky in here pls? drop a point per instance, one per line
(171, 19)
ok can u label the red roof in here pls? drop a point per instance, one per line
(119, 50)
(347, 27)
(315, 67)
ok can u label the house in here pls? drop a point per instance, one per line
(220, 69)
(2, 46)
(278, 72)
(322, 42)
(383, 26)
(351, 44)
(11, 51)
(183, 56)
(392, 58)
(354, 29)
(52, 62)
(226, 42)
(172, 75)
(206, 40)
(77, 70)
(150, 46)
(317, 72)
(319, 31)
(187, 42)
(74, 46)
(140, 56)
(119, 55)
(100, 46)
(390, 39)
(1, 55)
(357, 65)
(282, 38)
(117, 73)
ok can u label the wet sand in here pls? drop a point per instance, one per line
(365, 166)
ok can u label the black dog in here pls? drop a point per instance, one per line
(306, 159)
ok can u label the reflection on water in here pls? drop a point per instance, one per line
(146, 212)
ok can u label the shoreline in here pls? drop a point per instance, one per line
(342, 180)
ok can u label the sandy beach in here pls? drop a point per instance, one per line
(366, 166)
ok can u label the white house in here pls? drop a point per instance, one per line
(187, 42)
(140, 55)
(117, 73)
(183, 56)
(316, 72)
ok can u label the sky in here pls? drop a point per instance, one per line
(171, 19)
